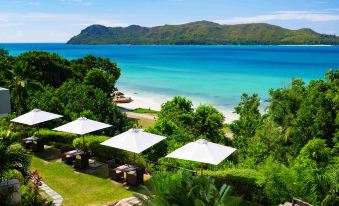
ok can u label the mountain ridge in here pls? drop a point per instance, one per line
(202, 32)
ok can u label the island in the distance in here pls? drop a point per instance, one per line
(203, 33)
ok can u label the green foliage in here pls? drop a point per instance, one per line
(50, 68)
(100, 79)
(145, 111)
(20, 79)
(83, 65)
(249, 121)
(74, 99)
(201, 32)
(13, 157)
(103, 153)
(30, 73)
(175, 113)
(180, 123)
(312, 176)
(50, 136)
(31, 198)
(182, 188)
(208, 122)
(247, 183)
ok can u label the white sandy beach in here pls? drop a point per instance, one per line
(149, 101)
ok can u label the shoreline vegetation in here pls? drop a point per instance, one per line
(154, 102)
(202, 33)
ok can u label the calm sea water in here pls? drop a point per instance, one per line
(216, 75)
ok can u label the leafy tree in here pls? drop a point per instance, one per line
(208, 123)
(50, 68)
(81, 66)
(74, 99)
(20, 79)
(285, 103)
(177, 112)
(249, 121)
(100, 79)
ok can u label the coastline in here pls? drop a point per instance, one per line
(154, 102)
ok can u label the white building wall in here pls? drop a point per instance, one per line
(5, 104)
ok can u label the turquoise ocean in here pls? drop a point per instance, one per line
(216, 75)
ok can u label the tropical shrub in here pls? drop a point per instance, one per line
(247, 183)
(13, 157)
(182, 188)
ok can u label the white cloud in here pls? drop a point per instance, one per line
(46, 27)
(78, 2)
(34, 3)
(313, 16)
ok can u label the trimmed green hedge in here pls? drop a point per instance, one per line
(50, 136)
(246, 183)
(103, 153)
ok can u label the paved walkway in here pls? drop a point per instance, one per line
(138, 115)
(57, 199)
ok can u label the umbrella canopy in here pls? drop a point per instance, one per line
(202, 151)
(133, 140)
(35, 116)
(82, 126)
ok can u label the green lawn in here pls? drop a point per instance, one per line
(145, 111)
(79, 188)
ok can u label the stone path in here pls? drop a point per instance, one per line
(57, 199)
(130, 201)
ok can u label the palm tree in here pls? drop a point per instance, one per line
(13, 157)
(20, 79)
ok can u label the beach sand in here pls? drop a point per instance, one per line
(149, 101)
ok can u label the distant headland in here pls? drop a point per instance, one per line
(202, 33)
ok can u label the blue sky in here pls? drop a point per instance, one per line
(59, 20)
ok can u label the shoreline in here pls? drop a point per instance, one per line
(153, 102)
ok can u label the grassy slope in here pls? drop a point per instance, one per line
(78, 188)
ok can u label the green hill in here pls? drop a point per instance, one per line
(201, 32)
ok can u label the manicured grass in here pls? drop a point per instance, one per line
(79, 188)
(145, 111)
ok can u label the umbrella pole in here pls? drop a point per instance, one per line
(201, 169)
(38, 130)
(83, 141)
(134, 158)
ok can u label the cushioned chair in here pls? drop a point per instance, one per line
(131, 178)
(69, 160)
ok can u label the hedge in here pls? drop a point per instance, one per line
(103, 153)
(50, 136)
(247, 183)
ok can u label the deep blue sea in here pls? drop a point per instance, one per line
(216, 75)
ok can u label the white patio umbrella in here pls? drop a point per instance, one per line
(133, 140)
(34, 117)
(202, 151)
(82, 126)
